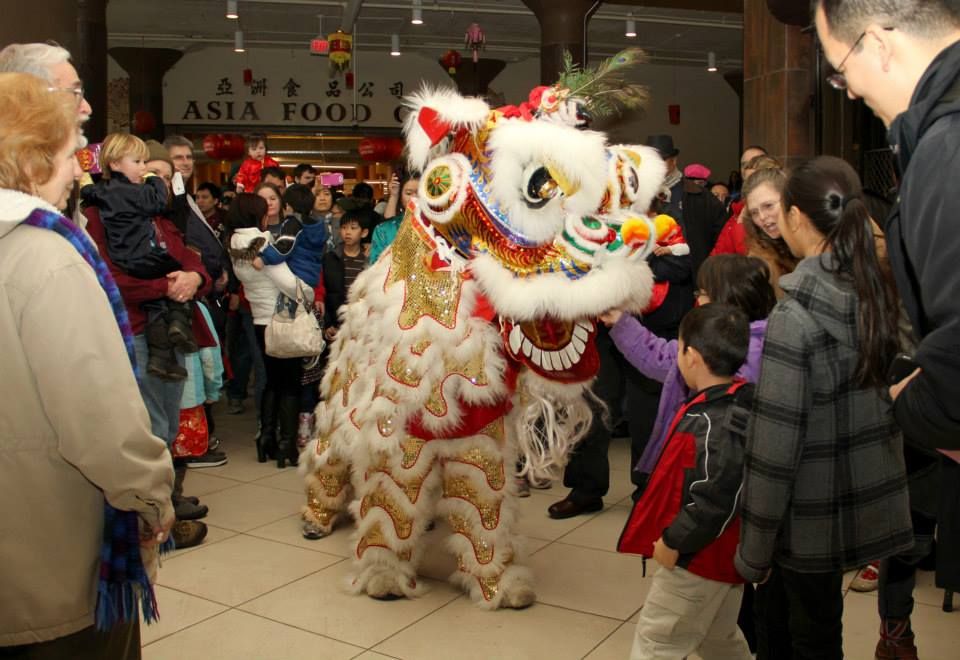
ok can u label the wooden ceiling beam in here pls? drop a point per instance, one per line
(730, 6)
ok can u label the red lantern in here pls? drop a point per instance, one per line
(232, 147)
(212, 146)
(248, 76)
(674, 111)
(451, 61)
(348, 79)
(380, 149)
(143, 122)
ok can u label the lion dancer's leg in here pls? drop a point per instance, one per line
(327, 489)
(326, 474)
(480, 504)
(395, 503)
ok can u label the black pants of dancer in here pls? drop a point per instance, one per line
(122, 642)
(799, 616)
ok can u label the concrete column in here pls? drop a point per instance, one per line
(563, 27)
(778, 86)
(474, 79)
(146, 67)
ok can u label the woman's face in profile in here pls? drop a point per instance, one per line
(66, 170)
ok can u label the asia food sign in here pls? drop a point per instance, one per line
(298, 95)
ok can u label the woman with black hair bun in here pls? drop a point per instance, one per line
(824, 486)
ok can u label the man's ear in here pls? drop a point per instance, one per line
(884, 43)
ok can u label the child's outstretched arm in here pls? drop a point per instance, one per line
(651, 355)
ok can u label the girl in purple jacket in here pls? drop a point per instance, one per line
(733, 279)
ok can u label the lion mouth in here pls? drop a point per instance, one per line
(550, 345)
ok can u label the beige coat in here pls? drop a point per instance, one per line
(73, 430)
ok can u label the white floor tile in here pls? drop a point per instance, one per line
(240, 568)
(462, 631)
(248, 506)
(587, 580)
(321, 604)
(177, 611)
(236, 635)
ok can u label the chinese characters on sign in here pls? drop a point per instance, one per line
(291, 88)
(258, 87)
(225, 87)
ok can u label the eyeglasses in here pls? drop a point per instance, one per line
(838, 80)
(77, 92)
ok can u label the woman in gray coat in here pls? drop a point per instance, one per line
(824, 487)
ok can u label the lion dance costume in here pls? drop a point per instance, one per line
(470, 342)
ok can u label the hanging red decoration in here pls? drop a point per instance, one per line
(223, 147)
(212, 145)
(380, 149)
(475, 40)
(143, 122)
(248, 76)
(341, 47)
(451, 61)
(674, 112)
(348, 79)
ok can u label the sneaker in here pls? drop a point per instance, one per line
(208, 460)
(867, 578)
(235, 407)
(188, 533)
(187, 510)
(213, 444)
(523, 488)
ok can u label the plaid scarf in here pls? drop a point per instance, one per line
(123, 580)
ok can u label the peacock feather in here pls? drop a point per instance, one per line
(604, 90)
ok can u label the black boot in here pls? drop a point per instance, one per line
(289, 414)
(267, 438)
(162, 361)
(180, 323)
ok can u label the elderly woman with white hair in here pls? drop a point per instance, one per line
(86, 484)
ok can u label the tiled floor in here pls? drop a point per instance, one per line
(255, 589)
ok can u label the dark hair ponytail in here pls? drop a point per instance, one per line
(247, 210)
(828, 191)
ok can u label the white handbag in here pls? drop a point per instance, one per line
(294, 331)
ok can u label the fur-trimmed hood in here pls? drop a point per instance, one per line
(15, 206)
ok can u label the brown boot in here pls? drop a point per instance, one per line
(188, 533)
(896, 640)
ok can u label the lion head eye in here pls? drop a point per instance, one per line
(540, 188)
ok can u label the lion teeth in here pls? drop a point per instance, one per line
(565, 359)
(578, 344)
(573, 354)
(537, 356)
(527, 347)
(581, 332)
(516, 338)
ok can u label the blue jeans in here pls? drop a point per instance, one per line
(161, 397)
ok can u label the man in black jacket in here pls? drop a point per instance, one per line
(903, 59)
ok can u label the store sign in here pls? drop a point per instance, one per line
(292, 90)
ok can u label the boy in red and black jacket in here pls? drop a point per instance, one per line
(688, 518)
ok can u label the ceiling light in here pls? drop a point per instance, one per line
(238, 42)
(395, 45)
(711, 62)
(417, 17)
(232, 11)
(631, 26)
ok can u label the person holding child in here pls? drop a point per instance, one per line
(687, 519)
(825, 487)
(128, 198)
